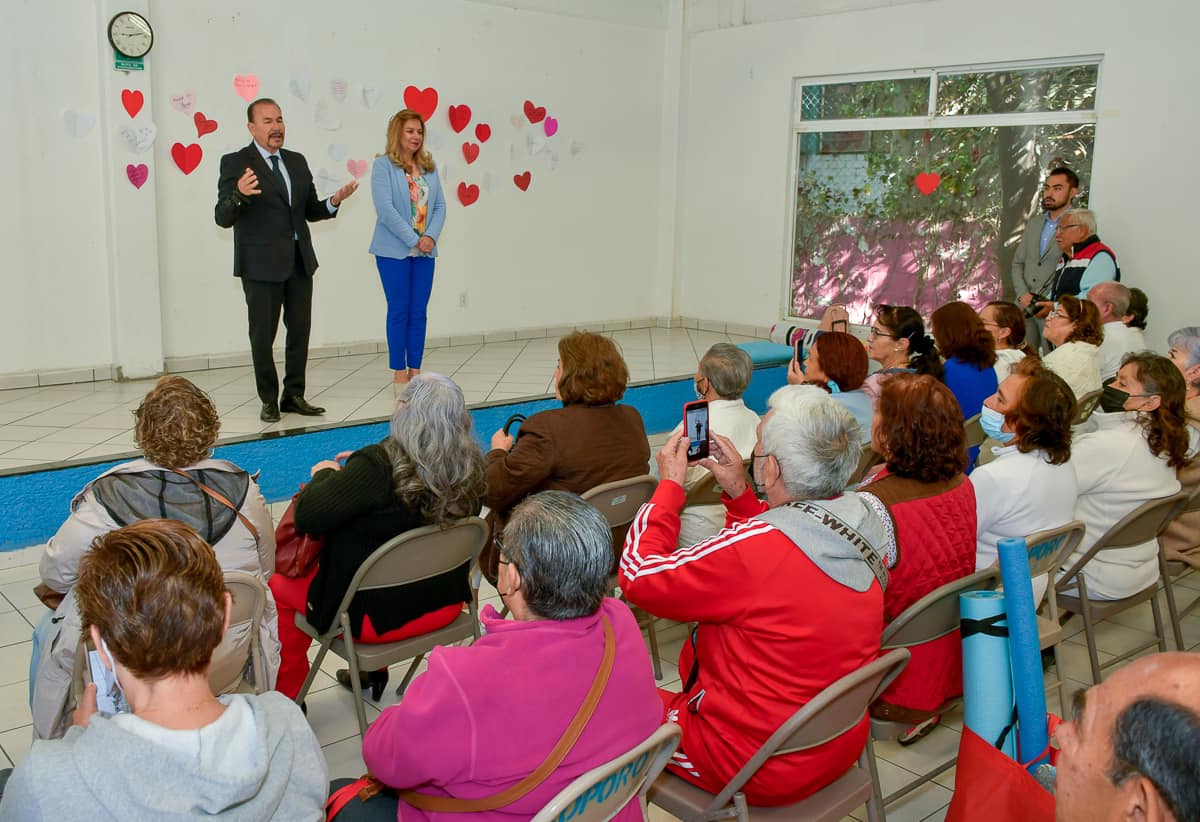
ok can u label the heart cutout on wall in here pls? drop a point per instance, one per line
(184, 101)
(204, 125)
(467, 194)
(137, 174)
(132, 101)
(422, 101)
(927, 183)
(187, 157)
(460, 117)
(550, 126)
(535, 114)
(357, 168)
(246, 86)
(138, 139)
(522, 180)
(337, 89)
(483, 132)
(470, 152)
(78, 123)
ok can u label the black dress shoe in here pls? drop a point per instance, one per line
(299, 405)
(375, 680)
(269, 413)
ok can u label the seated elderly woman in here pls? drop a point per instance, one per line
(176, 427)
(786, 603)
(837, 362)
(968, 355)
(1181, 540)
(427, 471)
(1029, 486)
(589, 441)
(898, 342)
(1006, 323)
(483, 718)
(930, 502)
(153, 598)
(1140, 441)
(721, 378)
(1074, 328)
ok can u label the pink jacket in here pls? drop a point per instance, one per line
(484, 716)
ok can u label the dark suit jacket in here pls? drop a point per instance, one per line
(264, 224)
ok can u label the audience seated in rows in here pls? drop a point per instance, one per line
(482, 718)
(721, 378)
(837, 362)
(785, 604)
(1112, 301)
(898, 342)
(175, 427)
(153, 600)
(589, 441)
(1141, 439)
(427, 471)
(1181, 540)
(924, 496)
(1029, 485)
(1006, 323)
(1073, 327)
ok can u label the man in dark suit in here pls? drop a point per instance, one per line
(266, 195)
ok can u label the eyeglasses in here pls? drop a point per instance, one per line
(1059, 229)
(875, 332)
(501, 558)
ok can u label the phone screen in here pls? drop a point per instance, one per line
(695, 423)
(109, 699)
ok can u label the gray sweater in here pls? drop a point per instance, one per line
(258, 761)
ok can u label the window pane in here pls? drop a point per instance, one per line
(875, 225)
(1067, 88)
(877, 98)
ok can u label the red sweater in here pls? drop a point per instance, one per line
(774, 630)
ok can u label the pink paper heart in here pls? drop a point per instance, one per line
(550, 126)
(137, 174)
(184, 101)
(357, 168)
(246, 86)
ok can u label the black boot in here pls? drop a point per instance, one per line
(375, 680)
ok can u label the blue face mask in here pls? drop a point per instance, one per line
(991, 421)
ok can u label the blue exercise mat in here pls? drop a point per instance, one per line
(764, 353)
(987, 680)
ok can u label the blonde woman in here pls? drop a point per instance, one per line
(409, 214)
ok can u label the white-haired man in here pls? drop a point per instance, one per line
(1085, 260)
(789, 597)
(1112, 299)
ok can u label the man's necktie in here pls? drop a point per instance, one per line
(279, 177)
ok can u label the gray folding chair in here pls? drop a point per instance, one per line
(1169, 569)
(1085, 405)
(931, 617)
(1140, 525)
(974, 431)
(601, 793)
(1048, 550)
(828, 715)
(619, 502)
(228, 671)
(411, 557)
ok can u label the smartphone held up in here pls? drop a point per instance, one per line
(695, 425)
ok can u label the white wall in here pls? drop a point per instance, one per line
(737, 133)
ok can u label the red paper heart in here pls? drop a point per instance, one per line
(928, 183)
(460, 116)
(137, 174)
(482, 132)
(467, 194)
(422, 101)
(204, 125)
(187, 157)
(133, 102)
(470, 152)
(523, 180)
(535, 114)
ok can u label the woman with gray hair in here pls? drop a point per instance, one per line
(1181, 540)
(428, 471)
(513, 692)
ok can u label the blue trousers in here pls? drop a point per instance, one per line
(407, 284)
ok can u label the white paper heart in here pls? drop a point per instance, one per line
(337, 89)
(443, 170)
(576, 148)
(512, 151)
(370, 95)
(299, 87)
(326, 183)
(138, 139)
(535, 144)
(337, 152)
(78, 123)
(486, 182)
(324, 118)
(553, 157)
(184, 101)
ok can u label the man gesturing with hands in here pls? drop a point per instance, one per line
(266, 195)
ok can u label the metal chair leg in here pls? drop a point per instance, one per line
(1089, 631)
(312, 671)
(408, 675)
(875, 811)
(1172, 606)
(1159, 633)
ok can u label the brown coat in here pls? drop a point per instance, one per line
(572, 448)
(1181, 540)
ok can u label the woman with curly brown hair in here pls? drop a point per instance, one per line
(1141, 438)
(591, 440)
(176, 427)
(1074, 328)
(923, 492)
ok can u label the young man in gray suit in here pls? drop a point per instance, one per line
(1037, 254)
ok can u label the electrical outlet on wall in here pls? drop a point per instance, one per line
(462, 299)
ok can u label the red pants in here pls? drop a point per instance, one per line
(291, 598)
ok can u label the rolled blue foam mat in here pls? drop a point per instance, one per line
(767, 353)
(1025, 650)
(987, 681)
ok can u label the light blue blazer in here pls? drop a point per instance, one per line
(394, 235)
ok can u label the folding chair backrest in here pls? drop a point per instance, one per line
(602, 792)
(1193, 503)
(419, 554)
(866, 462)
(935, 614)
(1085, 405)
(974, 431)
(249, 605)
(828, 715)
(619, 501)
(1048, 550)
(1143, 523)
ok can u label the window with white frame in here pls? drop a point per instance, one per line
(913, 188)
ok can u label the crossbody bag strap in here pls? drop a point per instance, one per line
(221, 498)
(446, 804)
(870, 556)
